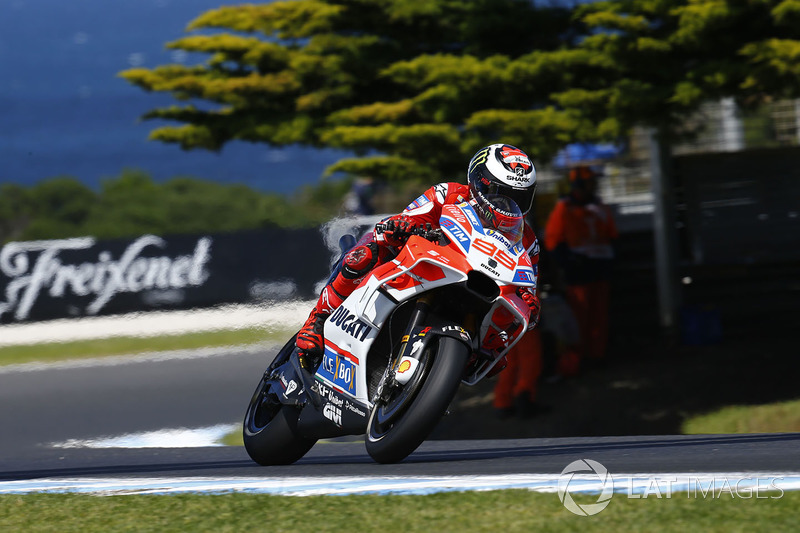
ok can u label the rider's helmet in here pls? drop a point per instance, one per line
(502, 182)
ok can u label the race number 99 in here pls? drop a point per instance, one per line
(492, 250)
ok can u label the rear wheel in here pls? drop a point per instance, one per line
(270, 430)
(400, 423)
(270, 427)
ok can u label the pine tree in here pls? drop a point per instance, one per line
(413, 87)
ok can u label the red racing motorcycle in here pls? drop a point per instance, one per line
(444, 311)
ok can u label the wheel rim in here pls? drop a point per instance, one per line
(385, 414)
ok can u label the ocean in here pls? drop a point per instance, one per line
(64, 111)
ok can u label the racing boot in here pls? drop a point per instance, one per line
(356, 264)
(309, 340)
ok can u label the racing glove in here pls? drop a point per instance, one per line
(528, 295)
(396, 230)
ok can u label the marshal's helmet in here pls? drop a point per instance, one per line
(502, 182)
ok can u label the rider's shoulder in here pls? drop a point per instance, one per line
(449, 192)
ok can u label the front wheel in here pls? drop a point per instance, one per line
(270, 430)
(398, 425)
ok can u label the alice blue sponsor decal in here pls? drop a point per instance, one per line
(524, 276)
(451, 227)
(473, 218)
(500, 237)
(422, 200)
(338, 370)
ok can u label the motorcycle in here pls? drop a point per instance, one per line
(443, 312)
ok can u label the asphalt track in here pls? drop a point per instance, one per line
(42, 406)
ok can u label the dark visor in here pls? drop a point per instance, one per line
(522, 197)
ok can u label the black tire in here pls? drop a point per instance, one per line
(270, 431)
(432, 391)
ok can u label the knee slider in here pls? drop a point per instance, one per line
(360, 260)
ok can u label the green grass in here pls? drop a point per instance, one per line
(50, 352)
(508, 511)
(770, 418)
(234, 438)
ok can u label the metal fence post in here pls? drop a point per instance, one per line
(664, 230)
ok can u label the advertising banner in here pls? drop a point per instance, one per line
(82, 276)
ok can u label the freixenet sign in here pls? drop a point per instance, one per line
(40, 268)
(41, 280)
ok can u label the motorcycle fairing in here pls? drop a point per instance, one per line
(336, 415)
(488, 249)
(287, 385)
(421, 336)
(420, 267)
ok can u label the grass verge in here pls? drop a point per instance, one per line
(234, 438)
(59, 351)
(778, 417)
(508, 511)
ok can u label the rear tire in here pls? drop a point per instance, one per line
(270, 428)
(395, 439)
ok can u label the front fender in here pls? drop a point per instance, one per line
(417, 341)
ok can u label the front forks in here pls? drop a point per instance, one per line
(418, 317)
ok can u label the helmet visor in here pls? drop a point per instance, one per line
(506, 217)
(522, 197)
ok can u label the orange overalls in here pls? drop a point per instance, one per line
(524, 360)
(580, 237)
(521, 375)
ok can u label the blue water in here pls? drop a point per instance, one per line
(64, 111)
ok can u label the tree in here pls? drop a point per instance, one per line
(133, 204)
(56, 208)
(15, 211)
(412, 86)
(416, 85)
(653, 62)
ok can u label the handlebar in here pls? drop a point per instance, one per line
(426, 232)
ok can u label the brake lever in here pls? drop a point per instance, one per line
(434, 235)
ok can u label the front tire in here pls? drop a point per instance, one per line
(406, 426)
(270, 430)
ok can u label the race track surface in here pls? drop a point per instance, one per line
(46, 405)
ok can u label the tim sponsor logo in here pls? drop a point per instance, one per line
(456, 231)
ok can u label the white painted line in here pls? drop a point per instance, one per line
(285, 315)
(117, 360)
(165, 438)
(310, 486)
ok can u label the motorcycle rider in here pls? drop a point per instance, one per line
(500, 177)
